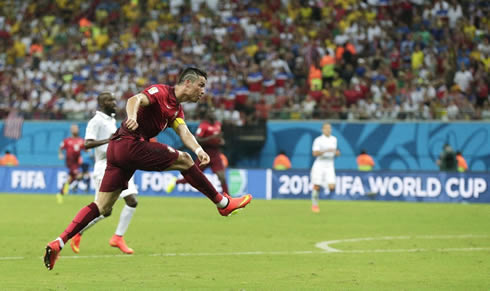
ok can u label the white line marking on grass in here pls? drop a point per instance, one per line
(325, 245)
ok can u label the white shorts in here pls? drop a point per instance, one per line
(322, 175)
(131, 187)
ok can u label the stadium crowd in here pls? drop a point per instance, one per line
(345, 59)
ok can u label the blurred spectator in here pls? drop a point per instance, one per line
(364, 161)
(56, 56)
(281, 162)
(9, 159)
(462, 165)
(447, 160)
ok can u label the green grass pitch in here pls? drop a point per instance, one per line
(183, 244)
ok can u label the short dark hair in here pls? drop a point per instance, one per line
(192, 74)
(102, 96)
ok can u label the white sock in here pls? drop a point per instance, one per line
(124, 220)
(314, 197)
(90, 224)
(62, 244)
(223, 203)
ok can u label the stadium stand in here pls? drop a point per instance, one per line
(350, 59)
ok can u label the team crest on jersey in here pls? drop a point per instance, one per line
(153, 90)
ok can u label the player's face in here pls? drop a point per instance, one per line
(109, 104)
(327, 129)
(74, 130)
(197, 89)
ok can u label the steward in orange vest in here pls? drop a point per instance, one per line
(364, 161)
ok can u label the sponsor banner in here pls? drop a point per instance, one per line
(269, 184)
(353, 185)
(50, 180)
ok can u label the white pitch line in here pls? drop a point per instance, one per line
(325, 245)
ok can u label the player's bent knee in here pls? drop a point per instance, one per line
(104, 210)
(108, 213)
(185, 159)
(131, 201)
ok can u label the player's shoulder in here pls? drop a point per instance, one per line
(157, 88)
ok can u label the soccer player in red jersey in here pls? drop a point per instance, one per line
(209, 135)
(148, 113)
(73, 146)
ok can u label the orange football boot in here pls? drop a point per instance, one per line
(75, 243)
(118, 242)
(53, 250)
(235, 204)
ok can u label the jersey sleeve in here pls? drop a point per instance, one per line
(153, 93)
(92, 130)
(63, 145)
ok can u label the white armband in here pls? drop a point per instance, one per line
(198, 150)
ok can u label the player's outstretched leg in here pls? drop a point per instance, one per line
(235, 204)
(83, 217)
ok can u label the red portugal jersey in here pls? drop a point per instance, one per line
(72, 146)
(158, 115)
(206, 129)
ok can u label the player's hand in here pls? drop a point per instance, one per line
(60, 156)
(131, 124)
(203, 158)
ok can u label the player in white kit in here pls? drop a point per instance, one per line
(99, 130)
(323, 170)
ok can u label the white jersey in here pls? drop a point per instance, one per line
(323, 143)
(100, 127)
(323, 171)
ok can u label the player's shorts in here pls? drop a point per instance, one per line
(215, 161)
(322, 175)
(131, 187)
(73, 170)
(125, 155)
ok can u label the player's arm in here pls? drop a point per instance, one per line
(189, 140)
(91, 143)
(60, 150)
(132, 107)
(92, 134)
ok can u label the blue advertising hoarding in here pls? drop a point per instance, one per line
(391, 186)
(49, 180)
(269, 184)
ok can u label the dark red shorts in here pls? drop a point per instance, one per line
(125, 155)
(73, 170)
